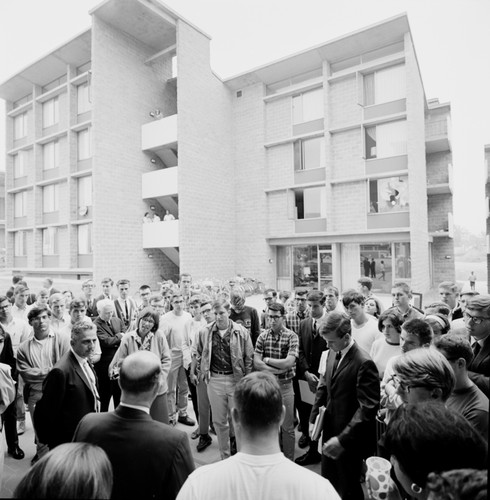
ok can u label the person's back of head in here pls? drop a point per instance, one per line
(71, 470)
(258, 404)
(428, 437)
(139, 377)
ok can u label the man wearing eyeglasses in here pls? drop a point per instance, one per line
(477, 319)
(270, 296)
(276, 352)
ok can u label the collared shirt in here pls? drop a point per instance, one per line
(42, 351)
(18, 313)
(344, 351)
(279, 346)
(19, 331)
(136, 407)
(89, 373)
(411, 313)
(221, 352)
(58, 324)
(294, 319)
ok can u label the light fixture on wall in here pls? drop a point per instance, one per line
(150, 255)
(155, 113)
(153, 160)
(270, 261)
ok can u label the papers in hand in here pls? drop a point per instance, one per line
(306, 395)
(318, 427)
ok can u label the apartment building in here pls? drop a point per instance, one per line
(487, 204)
(295, 173)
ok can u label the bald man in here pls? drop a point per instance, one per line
(149, 459)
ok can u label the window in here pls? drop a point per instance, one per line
(51, 155)
(309, 153)
(84, 239)
(20, 238)
(310, 203)
(386, 139)
(385, 85)
(20, 204)
(50, 241)
(51, 198)
(85, 191)
(303, 78)
(403, 262)
(84, 150)
(51, 112)
(308, 106)
(19, 164)
(83, 98)
(20, 126)
(388, 195)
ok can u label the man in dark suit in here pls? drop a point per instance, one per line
(149, 459)
(88, 289)
(109, 332)
(311, 346)
(449, 294)
(477, 320)
(349, 390)
(70, 389)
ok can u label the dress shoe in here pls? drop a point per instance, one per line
(205, 440)
(304, 441)
(21, 427)
(184, 419)
(195, 434)
(16, 453)
(309, 458)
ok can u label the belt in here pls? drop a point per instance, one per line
(221, 373)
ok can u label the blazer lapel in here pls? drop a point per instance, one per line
(80, 372)
(345, 361)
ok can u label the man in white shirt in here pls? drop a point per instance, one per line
(59, 316)
(20, 307)
(19, 331)
(174, 326)
(259, 471)
(125, 306)
(364, 326)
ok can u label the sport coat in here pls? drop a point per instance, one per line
(149, 459)
(67, 398)
(479, 368)
(351, 397)
(130, 321)
(310, 350)
(108, 339)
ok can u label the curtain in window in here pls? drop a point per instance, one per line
(391, 139)
(389, 84)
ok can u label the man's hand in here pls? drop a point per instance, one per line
(312, 380)
(193, 378)
(332, 448)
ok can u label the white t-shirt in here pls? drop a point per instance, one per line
(256, 477)
(367, 334)
(174, 328)
(381, 352)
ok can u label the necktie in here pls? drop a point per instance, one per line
(336, 362)
(476, 349)
(126, 306)
(314, 328)
(91, 378)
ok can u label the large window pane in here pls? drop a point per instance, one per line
(51, 155)
(283, 262)
(50, 241)
(376, 263)
(387, 139)
(51, 198)
(403, 263)
(20, 126)
(20, 204)
(83, 98)
(85, 191)
(309, 153)
(20, 243)
(305, 266)
(308, 106)
(51, 112)
(389, 84)
(85, 239)
(388, 195)
(84, 149)
(20, 164)
(311, 203)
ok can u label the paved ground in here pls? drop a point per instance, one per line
(15, 469)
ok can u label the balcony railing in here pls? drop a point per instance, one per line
(159, 133)
(163, 234)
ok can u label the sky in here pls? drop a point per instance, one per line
(451, 39)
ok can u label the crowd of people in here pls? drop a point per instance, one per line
(354, 378)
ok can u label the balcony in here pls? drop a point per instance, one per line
(160, 183)
(159, 134)
(437, 135)
(434, 188)
(163, 234)
(444, 232)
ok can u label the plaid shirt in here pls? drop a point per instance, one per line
(279, 346)
(294, 319)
